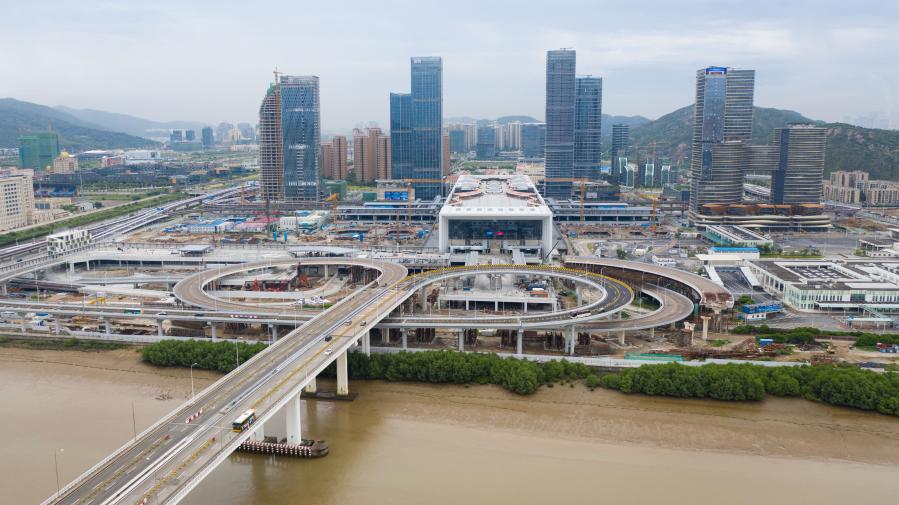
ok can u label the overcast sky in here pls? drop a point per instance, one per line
(211, 61)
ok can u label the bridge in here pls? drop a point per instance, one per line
(165, 462)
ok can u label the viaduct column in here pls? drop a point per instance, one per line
(343, 387)
(294, 426)
(519, 344)
(461, 340)
(405, 338)
(159, 330)
(312, 387)
(705, 328)
(212, 329)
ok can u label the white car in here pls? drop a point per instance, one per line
(328, 351)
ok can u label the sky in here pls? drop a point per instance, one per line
(212, 61)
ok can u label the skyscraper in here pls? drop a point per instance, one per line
(290, 139)
(486, 148)
(300, 137)
(722, 129)
(190, 135)
(176, 136)
(457, 141)
(560, 113)
(401, 142)
(445, 158)
(798, 176)
(533, 140)
(588, 128)
(416, 128)
(620, 140)
(207, 137)
(38, 150)
(271, 167)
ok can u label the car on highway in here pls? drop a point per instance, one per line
(329, 338)
(363, 323)
(328, 351)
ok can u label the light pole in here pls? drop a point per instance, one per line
(192, 381)
(236, 355)
(56, 466)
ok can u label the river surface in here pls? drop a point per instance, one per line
(413, 444)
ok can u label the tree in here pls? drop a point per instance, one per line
(620, 253)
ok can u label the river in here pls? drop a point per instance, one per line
(414, 443)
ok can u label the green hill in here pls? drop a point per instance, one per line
(848, 147)
(17, 117)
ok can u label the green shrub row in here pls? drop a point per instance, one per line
(220, 355)
(450, 367)
(807, 334)
(845, 386)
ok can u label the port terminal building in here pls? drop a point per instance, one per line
(495, 214)
(864, 286)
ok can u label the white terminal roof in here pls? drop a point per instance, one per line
(496, 196)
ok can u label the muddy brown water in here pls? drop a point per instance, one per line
(413, 443)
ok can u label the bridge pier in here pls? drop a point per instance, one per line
(366, 343)
(405, 338)
(258, 433)
(705, 328)
(343, 386)
(461, 340)
(312, 387)
(3, 289)
(212, 329)
(159, 331)
(519, 343)
(105, 325)
(570, 340)
(577, 294)
(293, 421)
(274, 328)
(621, 337)
(22, 316)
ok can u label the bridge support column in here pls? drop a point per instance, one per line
(570, 339)
(3, 289)
(577, 294)
(366, 343)
(405, 338)
(212, 330)
(56, 325)
(274, 328)
(621, 337)
(105, 325)
(519, 343)
(71, 267)
(343, 386)
(159, 331)
(461, 340)
(23, 322)
(258, 433)
(294, 423)
(312, 387)
(705, 328)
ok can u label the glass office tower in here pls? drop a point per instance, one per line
(427, 125)
(588, 128)
(401, 135)
(300, 137)
(560, 112)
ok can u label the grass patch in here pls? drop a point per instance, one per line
(69, 344)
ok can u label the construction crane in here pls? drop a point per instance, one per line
(410, 182)
(333, 198)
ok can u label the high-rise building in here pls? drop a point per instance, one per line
(798, 176)
(271, 165)
(223, 132)
(588, 128)
(560, 112)
(620, 141)
(445, 158)
(371, 160)
(176, 136)
(457, 141)
(300, 136)
(190, 135)
(401, 139)
(207, 137)
(327, 160)
(247, 132)
(533, 140)
(722, 129)
(339, 170)
(38, 150)
(427, 125)
(16, 198)
(486, 148)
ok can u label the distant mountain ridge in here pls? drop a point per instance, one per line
(20, 118)
(848, 147)
(125, 123)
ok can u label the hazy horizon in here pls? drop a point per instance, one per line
(211, 61)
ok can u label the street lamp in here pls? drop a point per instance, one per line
(192, 380)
